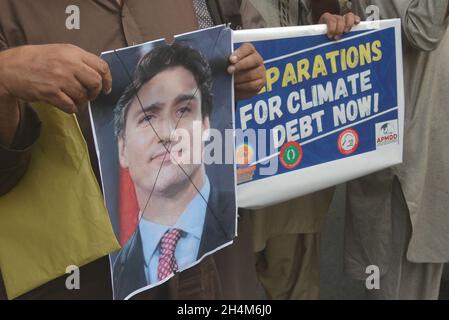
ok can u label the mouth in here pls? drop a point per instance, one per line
(165, 157)
(162, 156)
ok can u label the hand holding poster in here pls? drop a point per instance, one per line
(330, 111)
(169, 205)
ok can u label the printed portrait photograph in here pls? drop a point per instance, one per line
(161, 142)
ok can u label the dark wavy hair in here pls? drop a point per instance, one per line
(157, 61)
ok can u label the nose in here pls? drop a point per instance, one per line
(165, 131)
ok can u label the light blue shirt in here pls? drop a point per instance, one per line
(191, 222)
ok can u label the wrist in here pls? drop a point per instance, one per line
(5, 96)
(8, 103)
(9, 116)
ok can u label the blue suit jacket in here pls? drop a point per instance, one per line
(219, 228)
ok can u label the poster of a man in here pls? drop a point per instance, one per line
(183, 211)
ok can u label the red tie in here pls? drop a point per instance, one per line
(167, 261)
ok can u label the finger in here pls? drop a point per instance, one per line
(350, 21)
(91, 81)
(250, 75)
(102, 68)
(76, 91)
(244, 51)
(324, 18)
(341, 23)
(61, 101)
(252, 87)
(331, 27)
(250, 62)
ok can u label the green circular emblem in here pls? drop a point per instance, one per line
(291, 155)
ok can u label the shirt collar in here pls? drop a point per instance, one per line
(191, 222)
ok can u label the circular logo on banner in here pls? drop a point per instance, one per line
(291, 155)
(348, 141)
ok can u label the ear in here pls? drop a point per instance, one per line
(205, 127)
(123, 160)
(206, 123)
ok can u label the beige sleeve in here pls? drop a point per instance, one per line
(424, 22)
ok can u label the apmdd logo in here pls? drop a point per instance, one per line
(291, 155)
(387, 133)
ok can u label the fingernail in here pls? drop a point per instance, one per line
(231, 69)
(109, 91)
(234, 59)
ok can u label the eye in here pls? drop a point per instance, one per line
(183, 111)
(145, 119)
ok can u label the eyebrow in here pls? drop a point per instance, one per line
(187, 97)
(157, 106)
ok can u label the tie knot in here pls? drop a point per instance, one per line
(169, 240)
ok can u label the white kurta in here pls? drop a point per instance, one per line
(424, 175)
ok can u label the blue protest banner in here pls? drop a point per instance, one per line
(331, 111)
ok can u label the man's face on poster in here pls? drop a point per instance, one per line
(170, 100)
